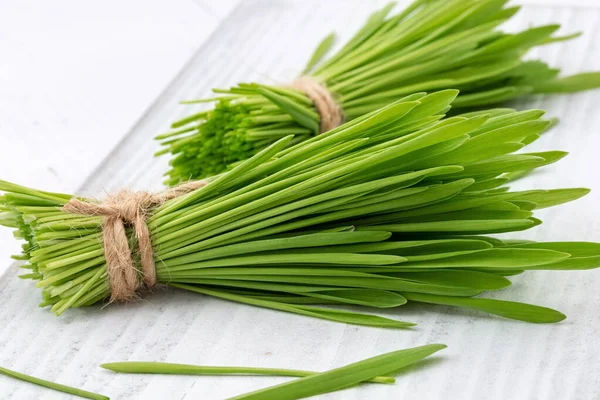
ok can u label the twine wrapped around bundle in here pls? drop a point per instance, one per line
(119, 210)
(393, 56)
(327, 107)
(359, 217)
(130, 208)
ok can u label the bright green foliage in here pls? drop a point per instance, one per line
(310, 384)
(344, 377)
(144, 367)
(431, 45)
(388, 208)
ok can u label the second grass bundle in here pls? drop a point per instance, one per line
(430, 45)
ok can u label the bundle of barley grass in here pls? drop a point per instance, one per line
(431, 45)
(388, 208)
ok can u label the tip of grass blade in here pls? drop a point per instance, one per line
(385, 379)
(403, 324)
(161, 152)
(437, 346)
(558, 317)
(343, 377)
(197, 101)
(110, 366)
(507, 309)
(539, 315)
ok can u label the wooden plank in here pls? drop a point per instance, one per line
(76, 76)
(488, 357)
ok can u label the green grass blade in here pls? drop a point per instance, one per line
(323, 313)
(507, 309)
(343, 377)
(141, 367)
(320, 52)
(569, 84)
(51, 385)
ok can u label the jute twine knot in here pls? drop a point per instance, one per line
(127, 208)
(328, 108)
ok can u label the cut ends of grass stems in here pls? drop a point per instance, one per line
(393, 207)
(431, 45)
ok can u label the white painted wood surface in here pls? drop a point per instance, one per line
(84, 88)
(75, 77)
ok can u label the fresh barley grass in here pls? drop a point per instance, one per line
(394, 206)
(52, 385)
(144, 367)
(344, 377)
(431, 45)
(309, 384)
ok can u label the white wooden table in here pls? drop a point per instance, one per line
(84, 86)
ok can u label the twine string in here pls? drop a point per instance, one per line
(327, 107)
(127, 208)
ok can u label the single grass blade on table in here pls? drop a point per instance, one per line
(343, 377)
(374, 213)
(143, 367)
(52, 385)
(430, 45)
(310, 383)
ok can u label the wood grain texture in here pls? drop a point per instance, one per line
(75, 77)
(488, 357)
